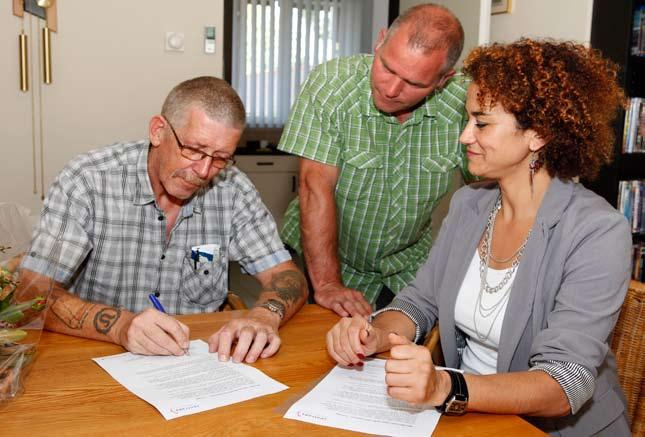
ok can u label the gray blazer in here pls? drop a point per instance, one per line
(565, 298)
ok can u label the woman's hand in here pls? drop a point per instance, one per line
(410, 374)
(352, 339)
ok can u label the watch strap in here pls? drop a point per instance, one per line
(457, 399)
(442, 408)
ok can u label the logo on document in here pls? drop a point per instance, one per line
(180, 410)
(312, 416)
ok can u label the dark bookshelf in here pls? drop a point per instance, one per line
(635, 75)
(632, 166)
(611, 33)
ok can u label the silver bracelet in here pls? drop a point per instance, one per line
(274, 306)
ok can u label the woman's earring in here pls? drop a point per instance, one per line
(534, 165)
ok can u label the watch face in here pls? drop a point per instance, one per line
(456, 406)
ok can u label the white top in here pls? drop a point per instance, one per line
(480, 355)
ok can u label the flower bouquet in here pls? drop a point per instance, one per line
(22, 305)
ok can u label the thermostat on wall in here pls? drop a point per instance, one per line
(209, 40)
(174, 42)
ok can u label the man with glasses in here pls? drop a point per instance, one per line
(158, 221)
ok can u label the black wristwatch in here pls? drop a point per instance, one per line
(457, 400)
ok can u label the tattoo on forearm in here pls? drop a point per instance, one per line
(288, 284)
(106, 319)
(64, 309)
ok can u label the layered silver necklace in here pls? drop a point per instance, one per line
(487, 247)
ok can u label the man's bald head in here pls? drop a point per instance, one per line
(429, 28)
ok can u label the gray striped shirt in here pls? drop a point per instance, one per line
(113, 247)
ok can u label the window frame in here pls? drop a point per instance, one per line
(269, 134)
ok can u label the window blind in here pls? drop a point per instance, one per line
(276, 43)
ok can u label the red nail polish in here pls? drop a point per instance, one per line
(359, 364)
(350, 365)
(361, 356)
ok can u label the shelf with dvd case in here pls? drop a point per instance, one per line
(618, 31)
(631, 197)
(631, 202)
(634, 126)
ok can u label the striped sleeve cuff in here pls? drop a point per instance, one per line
(413, 313)
(576, 380)
(267, 261)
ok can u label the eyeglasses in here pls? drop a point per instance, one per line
(197, 155)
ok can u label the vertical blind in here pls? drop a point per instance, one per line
(277, 42)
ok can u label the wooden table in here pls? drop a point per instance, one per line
(68, 394)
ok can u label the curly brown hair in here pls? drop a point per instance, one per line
(565, 92)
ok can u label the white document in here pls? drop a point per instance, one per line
(178, 386)
(357, 400)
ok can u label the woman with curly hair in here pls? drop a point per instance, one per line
(527, 277)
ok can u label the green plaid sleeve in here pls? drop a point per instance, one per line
(311, 130)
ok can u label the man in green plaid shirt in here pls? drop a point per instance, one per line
(379, 138)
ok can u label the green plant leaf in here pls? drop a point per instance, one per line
(12, 315)
(11, 335)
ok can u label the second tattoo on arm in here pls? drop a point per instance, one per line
(64, 310)
(105, 319)
(73, 313)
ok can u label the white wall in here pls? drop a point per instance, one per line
(110, 75)
(559, 19)
(468, 12)
(379, 18)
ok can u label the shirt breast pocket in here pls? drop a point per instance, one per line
(203, 282)
(360, 172)
(437, 170)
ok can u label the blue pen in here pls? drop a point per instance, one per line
(156, 303)
(159, 307)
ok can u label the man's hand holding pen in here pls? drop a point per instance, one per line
(153, 332)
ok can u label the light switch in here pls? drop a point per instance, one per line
(174, 42)
(209, 40)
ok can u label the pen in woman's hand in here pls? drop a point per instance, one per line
(159, 307)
